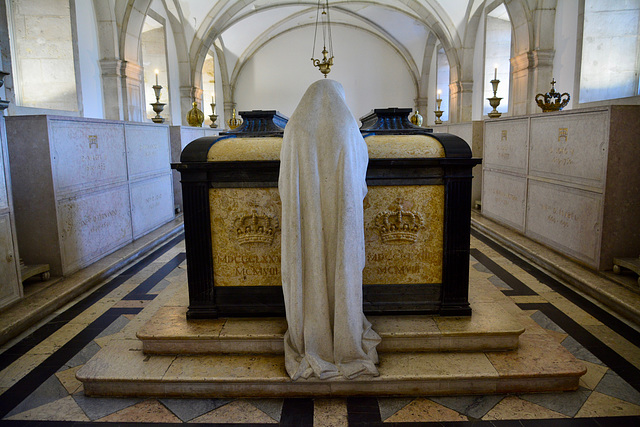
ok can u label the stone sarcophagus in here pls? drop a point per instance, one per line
(416, 215)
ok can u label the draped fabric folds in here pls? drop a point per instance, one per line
(322, 184)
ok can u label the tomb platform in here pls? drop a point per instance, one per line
(498, 349)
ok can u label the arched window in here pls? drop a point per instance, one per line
(154, 58)
(442, 82)
(610, 50)
(42, 54)
(497, 54)
(208, 88)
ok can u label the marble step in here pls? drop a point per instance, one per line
(540, 364)
(490, 328)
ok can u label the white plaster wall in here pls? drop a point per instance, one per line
(372, 74)
(478, 73)
(154, 57)
(566, 39)
(88, 60)
(442, 83)
(610, 46)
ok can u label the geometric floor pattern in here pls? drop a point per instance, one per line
(38, 384)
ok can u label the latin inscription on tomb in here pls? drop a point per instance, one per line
(148, 149)
(245, 235)
(87, 154)
(403, 235)
(570, 148)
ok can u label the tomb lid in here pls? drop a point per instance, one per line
(259, 123)
(394, 122)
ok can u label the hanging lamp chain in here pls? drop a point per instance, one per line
(325, 21)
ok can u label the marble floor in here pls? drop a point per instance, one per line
(38, 384)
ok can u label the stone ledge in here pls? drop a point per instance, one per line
(616, 297)
(490, 328)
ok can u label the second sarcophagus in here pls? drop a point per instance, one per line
(416, 214)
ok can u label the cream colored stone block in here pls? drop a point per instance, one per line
(506, 145)
(403, 146)
(504, 198)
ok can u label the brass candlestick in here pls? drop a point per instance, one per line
(213, 116)
(157, 106)
(438, 111)
(494, 101)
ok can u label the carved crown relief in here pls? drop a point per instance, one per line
(398, 225)
(255, 228)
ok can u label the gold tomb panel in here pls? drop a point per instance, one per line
(403, 235)
(379, 146)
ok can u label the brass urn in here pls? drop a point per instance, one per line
(195, 117)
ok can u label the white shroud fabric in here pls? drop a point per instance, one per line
(322, 184)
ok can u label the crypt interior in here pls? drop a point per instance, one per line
(514, 136)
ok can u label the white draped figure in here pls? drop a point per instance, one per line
(322, 184)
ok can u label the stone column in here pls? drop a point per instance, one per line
(531, 74)
(460, 99)
(132, 84)
(112, 88)
(422, 105)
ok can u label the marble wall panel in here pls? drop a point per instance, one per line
(506, 145)
(92, 225)
(9, 282)
(504, 198)
(151, 204)
(148, 150)
(565, 218)
(188, 134)
(570, 147)
(86, 154)
(4, 200)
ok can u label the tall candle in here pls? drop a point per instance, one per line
(439, 93)
(495, 74)
(157, 72)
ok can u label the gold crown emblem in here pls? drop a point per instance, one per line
(398, 226)
(552, 100)
(255, 228)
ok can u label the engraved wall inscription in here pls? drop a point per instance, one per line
(151, 204)
(505, 145)
(92, 225)
(148, 150)
(87, 154)
(503, 198)
(251, 256)
(565, 218)
(403, 234)
(571, 148)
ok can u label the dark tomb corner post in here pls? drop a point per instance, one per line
(197, 230)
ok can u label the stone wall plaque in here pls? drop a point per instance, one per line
(87, 154)
(504, 197)
(245, 233)
(151, 203)
(4, 200)
(9, 284)
(506, 145)
(92, 225)
(403, 234)
(565, 218)
(148, 150)
(570, 148)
